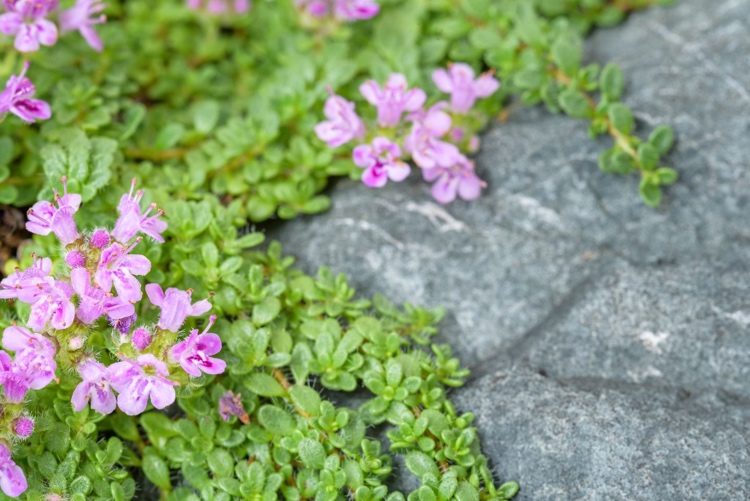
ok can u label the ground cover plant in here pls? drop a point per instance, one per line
(141, 139)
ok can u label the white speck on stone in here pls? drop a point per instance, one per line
(537, 211)
(648, 372)
(652, 340)
(738, 316)
(439, 217)
(367, 226)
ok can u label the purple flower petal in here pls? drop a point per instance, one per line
(26, 39)
(442, 80)
(444, 189)
(12, 480)
(375, 177)
(10, 23)
(46, 31)
(398, 171)
(162, 394)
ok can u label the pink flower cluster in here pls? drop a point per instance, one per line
(218, 7)
(432, 139)
(26, 21)
(343, 10)
(65, 308)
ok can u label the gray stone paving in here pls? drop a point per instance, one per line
(610, 343)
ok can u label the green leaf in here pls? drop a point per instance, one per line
(509, 489)
(276, 420)
(425, 493)
(114, 451)
(312, 453)
(6, 150)
(125, 427)
(466, 492)
(611, 82)
(648, 156)
(306, 399)
(250, 240)
(57, 439)
(621, 118)
(169, 136)
(134, 115)
(205, 116)
(159, 428)
(566, 53)
(210, 254)
(530, 77)
(81, 485)
(650, 191)
(54, 162)
(666, 175)
(155, 469)
(662, 138)
(221, 462)
(622, 162)
(575, 104)
(264, 385)
(485, 37)
(8, 194)
(267, 310)
(420, 464)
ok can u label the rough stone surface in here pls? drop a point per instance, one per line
(610, 343)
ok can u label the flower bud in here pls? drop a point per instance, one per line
(75, 343)
(100, 239)
(141, 338)
(474, 144)
(75, 259)
(24, 427)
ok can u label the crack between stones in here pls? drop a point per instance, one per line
(519, 349)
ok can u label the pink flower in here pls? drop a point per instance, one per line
(355, 10)
(95, 302)
(459, 82)
(44, 217)
(423, 144)
(193, 353)
(35, 356)
(381, 162)
(12, 479)
(122, 324)
(17, 98)
(82, 17)
(231, 405)
(25, 20)
(393, 99)
(459, 179)
(50, 304)
(220, 6)
(117, 267)
(131, 221)
(138, 381)
(316, 8)
(10, 285)
(343, 123)
(94, 388)
(345, 10)
(175, 306)
(14, 384)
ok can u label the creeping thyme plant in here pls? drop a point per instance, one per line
(141, 138)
